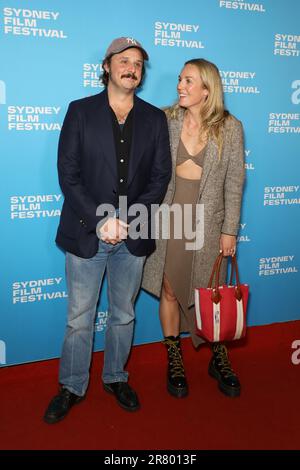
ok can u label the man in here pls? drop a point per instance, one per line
(112, 145)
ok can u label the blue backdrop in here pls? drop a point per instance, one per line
(50, 55)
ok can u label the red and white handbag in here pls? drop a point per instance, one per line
(221, 310)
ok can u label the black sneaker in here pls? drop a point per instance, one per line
(220, 369)
(60, 406)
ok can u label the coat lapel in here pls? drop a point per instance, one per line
(175, 127)
(209, 159)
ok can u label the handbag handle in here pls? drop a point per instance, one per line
(216, 296)
(219, 257)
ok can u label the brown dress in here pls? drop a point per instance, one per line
(178, 265)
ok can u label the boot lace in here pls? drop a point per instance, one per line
(175, 358)
(220, 352)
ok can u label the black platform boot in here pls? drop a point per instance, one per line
(220, 369)
(176, 381)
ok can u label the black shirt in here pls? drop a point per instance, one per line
(122, 137)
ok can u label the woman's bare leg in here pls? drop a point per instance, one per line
(169, 310)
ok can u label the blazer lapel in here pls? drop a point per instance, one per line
(140, 135)
(104, 132)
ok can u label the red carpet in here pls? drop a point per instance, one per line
(265, 416)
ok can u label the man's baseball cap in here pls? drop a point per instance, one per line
(121, 44)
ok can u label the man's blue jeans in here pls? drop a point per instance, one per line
(84, 279)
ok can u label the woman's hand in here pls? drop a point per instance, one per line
(227, 244)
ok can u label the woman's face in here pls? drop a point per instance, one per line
(190, 88)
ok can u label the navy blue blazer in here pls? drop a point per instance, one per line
(88, 176)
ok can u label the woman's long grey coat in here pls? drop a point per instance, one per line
(220, 191)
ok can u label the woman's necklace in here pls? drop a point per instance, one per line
(191, 129)
(194, 134)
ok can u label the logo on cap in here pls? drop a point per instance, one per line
(123, 43)
(131, 40)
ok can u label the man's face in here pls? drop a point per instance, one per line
(125, 69)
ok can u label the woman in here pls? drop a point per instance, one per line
(208, 169)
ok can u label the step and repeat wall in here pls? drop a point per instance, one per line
(51, 52)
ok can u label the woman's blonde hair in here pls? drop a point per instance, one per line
(213, 113)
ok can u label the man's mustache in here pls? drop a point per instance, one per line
(129, 75)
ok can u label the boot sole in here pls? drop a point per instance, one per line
(177, 392)
(127, 408)
(226, 389)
